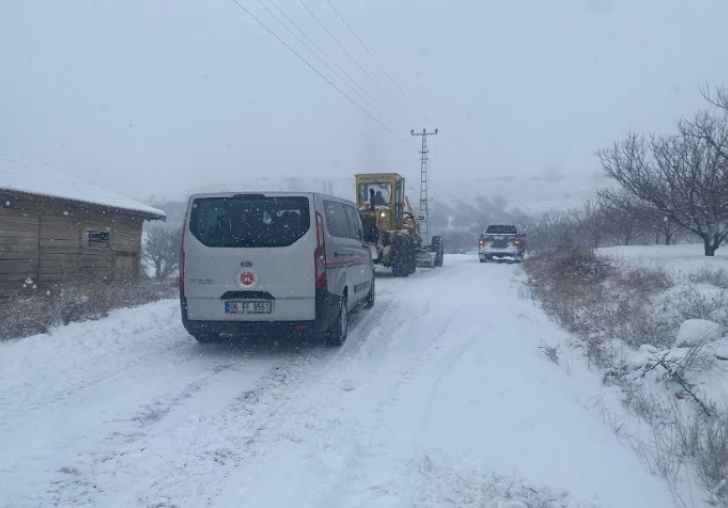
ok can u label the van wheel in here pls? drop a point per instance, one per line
(336, 336)
(370, 297)
(204, 338)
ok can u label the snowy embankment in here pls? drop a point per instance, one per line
(696, 306)
(440, 397)
(654, 320)
(679, 259)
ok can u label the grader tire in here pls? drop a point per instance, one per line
(399, 257)
(439, 249)
(411, 255)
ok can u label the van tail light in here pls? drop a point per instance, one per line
(517, 241)
(481, 241)
(319, 254)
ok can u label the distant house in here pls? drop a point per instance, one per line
(57, 230)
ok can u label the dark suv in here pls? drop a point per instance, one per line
(502, 240)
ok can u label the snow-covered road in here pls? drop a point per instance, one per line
(440, 397)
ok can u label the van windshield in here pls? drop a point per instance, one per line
(255, 221)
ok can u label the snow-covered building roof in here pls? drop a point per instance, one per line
(40, 180)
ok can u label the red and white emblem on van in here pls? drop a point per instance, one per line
(246, 278)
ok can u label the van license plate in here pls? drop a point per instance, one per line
(248, 307)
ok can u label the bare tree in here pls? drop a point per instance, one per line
(558, 231)
(662, 226)
(162, 249)
(625, 224)
(682, 176)
(720, 99)
(593, 222)
(626, 220)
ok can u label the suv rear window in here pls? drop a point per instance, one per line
(501, 229)
(255, 221)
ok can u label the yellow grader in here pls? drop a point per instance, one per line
(391, 227)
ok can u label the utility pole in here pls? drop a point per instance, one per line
(424, 203)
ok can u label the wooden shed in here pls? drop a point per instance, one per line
(57, 230)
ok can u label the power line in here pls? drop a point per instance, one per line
(322, 60)
(373, 103)
(346, 51)
(366, 49)
(257, 20)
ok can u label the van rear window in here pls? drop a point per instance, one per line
(254, 221)
(501, 229)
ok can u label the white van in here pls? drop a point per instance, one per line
(273, 263)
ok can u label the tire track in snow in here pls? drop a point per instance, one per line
(27, 403)
(145, 449)
(400, 418)
(329, 443)
(264, 408)
(212, 447)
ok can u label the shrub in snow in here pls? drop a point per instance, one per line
(696, 332)
(35, 312)
(708, 274)
(645, 279)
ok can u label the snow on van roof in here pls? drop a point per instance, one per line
(40, 180)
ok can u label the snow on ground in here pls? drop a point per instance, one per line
(440, 397)
(678, 259)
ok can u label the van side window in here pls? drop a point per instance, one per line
(336, 219)
(355, 227)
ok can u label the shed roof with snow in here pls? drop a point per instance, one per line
(40, 180)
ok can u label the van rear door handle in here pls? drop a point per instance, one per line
(343, 254)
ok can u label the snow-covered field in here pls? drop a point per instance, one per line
(440, 397)
(678, 259)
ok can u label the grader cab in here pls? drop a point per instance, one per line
(392, 228)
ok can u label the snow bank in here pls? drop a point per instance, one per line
(678, 259)
(446, 486)
(40, 180)
(696, 332)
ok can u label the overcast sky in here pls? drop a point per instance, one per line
(162, 96)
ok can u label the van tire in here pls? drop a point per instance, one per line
(336, 336)
(369, 303)
(206, 338)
